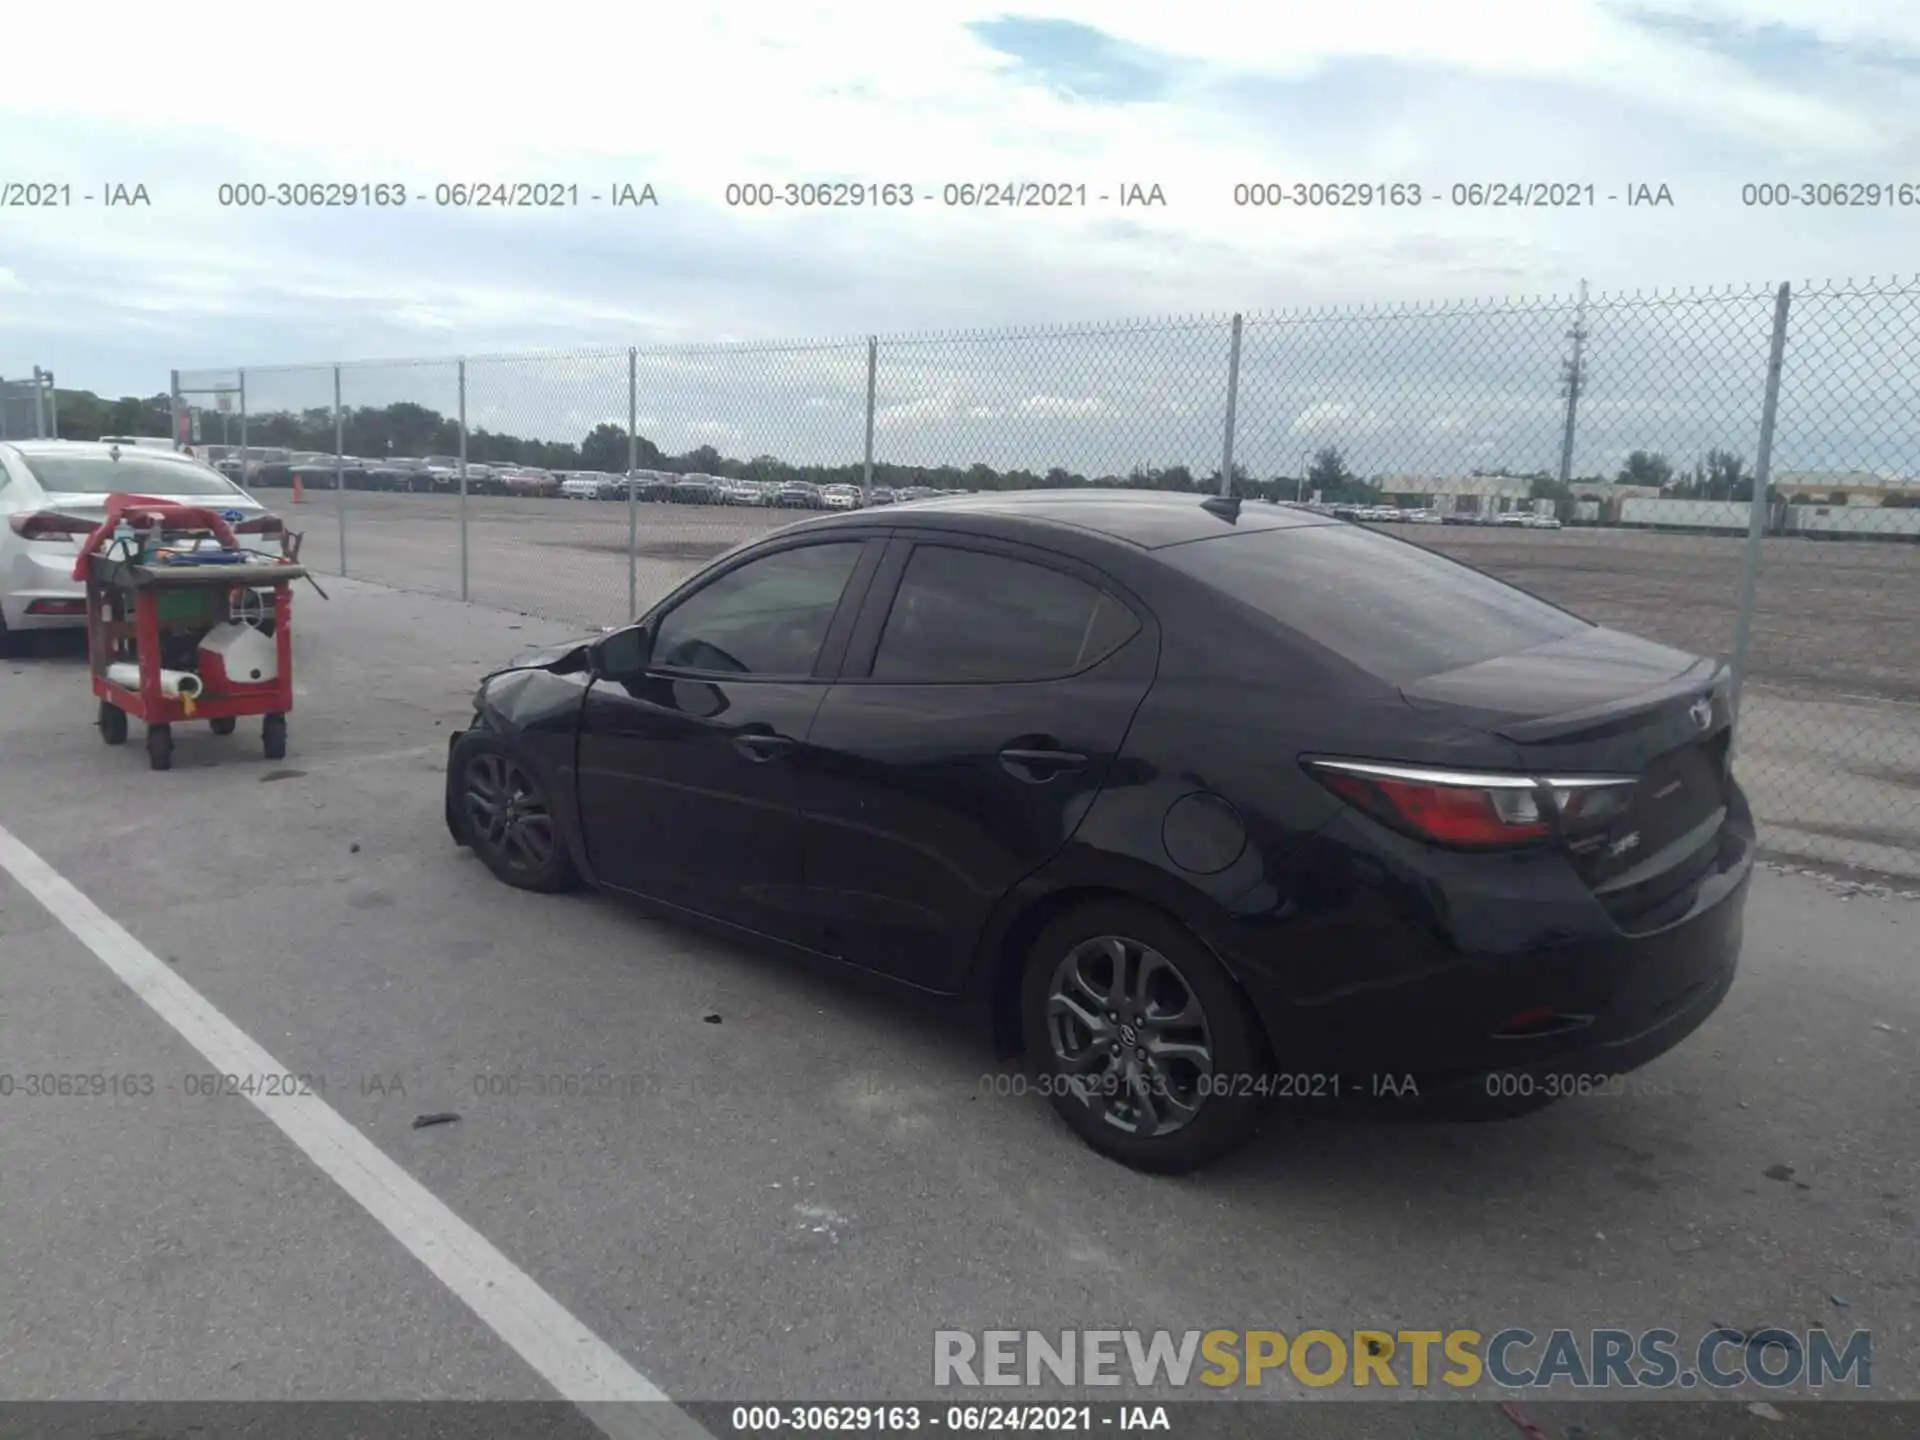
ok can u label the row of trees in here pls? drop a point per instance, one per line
(403, 428)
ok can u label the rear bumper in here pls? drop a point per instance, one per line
(1565, 1004)
(28, 576)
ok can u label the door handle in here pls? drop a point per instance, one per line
(1036, 767)
(762, 746)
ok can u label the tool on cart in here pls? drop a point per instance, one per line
(177, 628)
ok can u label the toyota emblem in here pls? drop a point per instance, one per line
(1702, 712)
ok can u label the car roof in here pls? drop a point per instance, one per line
(1147, 519)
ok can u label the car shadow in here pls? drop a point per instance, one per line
(65, 648)
(1554, 1160)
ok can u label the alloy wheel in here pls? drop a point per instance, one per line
(1130, 1035)
(509, 814)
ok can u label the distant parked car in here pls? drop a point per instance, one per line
(577, 486)
(694, 490)
(530, 483)
(840, 497)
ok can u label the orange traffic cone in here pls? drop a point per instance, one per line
(299, 494)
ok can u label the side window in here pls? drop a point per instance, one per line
(966, 615)
(768, 617)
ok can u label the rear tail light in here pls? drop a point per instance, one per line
(49, 525)
(1473, 810)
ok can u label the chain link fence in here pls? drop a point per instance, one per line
(1733, 472)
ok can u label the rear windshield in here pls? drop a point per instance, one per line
(1396, 610)
(133, 474)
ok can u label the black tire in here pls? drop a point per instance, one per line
(112, 723)
(273, 737)
(223, 725)
(1220, 1116)
(159, 747)
(500, 810)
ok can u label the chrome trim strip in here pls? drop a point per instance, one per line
(1474, 780)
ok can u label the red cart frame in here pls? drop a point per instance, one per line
(115, 587)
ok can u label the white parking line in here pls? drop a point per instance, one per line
(578, 1364)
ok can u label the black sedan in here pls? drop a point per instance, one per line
(1203, 807)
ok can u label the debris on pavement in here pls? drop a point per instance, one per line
(1521, 1422)
(445, 1117)
(1778, 1172)
(1764, 1411)
(711, 1019)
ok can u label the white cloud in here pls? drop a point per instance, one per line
(1062, 405)
(1334, 418)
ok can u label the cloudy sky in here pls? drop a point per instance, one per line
(1700, 96)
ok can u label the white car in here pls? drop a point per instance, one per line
(582, 487)
(53, 493)
(840, 497)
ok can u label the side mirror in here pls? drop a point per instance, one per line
(624, 654)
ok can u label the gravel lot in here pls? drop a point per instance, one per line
(787, 1200)
(1831, 746)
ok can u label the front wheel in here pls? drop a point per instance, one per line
(502, 813)
(1141, 1039)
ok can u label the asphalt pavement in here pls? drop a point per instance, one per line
(751, 1181)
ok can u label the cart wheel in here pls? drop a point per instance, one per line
(160, 747)
(113, 724)
(223, 725)
(273, 736)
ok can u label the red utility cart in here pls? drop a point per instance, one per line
(134, 610)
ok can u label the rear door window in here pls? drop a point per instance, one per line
(972, 616)
(1396, 610)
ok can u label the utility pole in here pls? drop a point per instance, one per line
(1573, 380)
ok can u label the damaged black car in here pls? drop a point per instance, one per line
(1207, 808)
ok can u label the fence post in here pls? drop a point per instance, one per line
(340, 465)
(873, 370)
(173, 406)
(1757, 511)
(39, 405)
(241, 376)
(53, 408)
(633, 482)
(463, 478)
(1576, 375)
(1233, 409)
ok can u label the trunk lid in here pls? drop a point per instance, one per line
(1601, 703)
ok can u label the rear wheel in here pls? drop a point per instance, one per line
(112, 723)
(273, 737)
(160, 747)
(222, 726)
(501, 812)
(1140, 1038)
